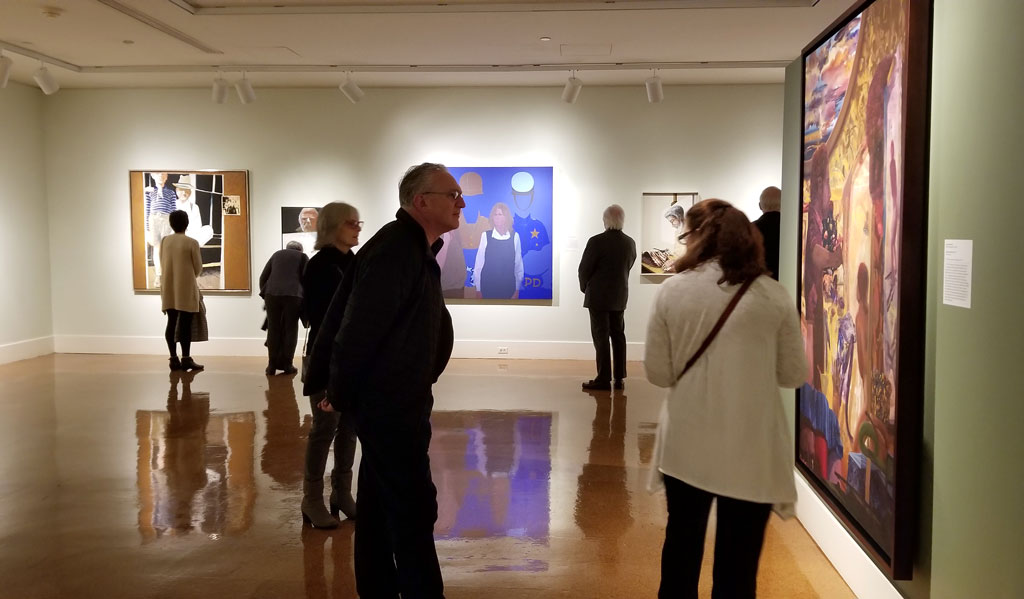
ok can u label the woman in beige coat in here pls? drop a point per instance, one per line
(179, 292)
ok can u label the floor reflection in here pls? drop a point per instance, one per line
(195, 470)
(341, 578)
(285, 446)
(601, 490)
(493, 474)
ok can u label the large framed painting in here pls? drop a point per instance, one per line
(501, 252)
(217, 203)
(661, 229)
(862, 271)
(298, 225)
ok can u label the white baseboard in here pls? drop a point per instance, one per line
(856, 568)
(23, 350)
(253, 346)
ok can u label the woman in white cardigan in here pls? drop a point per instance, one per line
(179, 292)
(722, 434)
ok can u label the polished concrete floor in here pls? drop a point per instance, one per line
(120, 480)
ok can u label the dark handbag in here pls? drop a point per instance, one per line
(718, 326)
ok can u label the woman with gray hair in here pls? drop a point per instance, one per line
(337, 232)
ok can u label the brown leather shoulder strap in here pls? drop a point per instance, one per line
(718, 326)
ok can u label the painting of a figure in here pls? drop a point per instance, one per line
(216, 203)
(299, 224)
(852, 263)
(663, 222)
(502, 248)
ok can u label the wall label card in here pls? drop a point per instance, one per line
(957, 264)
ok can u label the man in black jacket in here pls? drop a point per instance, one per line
(604, 280)
(281, 290)
(393, 343)
(768, 225)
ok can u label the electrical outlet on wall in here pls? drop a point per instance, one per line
(502, 350)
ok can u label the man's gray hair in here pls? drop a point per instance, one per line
(293, 245)
(614, 217)
(771, 199)
(415, 181)
(331, 217)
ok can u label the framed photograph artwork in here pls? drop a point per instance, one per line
(862, 260)
(663, 223)
(501, 251)
(298, 224)
(217, 203)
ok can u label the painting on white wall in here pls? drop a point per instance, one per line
(298, 224)
(662, 225)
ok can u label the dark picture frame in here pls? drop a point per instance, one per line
(862, 271)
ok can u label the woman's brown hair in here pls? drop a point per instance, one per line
(718, 230)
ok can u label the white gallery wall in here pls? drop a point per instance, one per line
(26, 326)
(310, 146)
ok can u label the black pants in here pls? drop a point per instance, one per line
(606, 324)
(397, 507)
(174, 318)
(739, 536)
(282, 329)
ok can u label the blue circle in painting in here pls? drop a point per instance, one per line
(522, 182)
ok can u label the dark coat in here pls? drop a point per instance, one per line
(282, 275)
(604, 270)
(768, 225)
(395, 337)
(320, 281)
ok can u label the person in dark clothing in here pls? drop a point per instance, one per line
(498, 270)
(768, 225)
(393, 343)
(338, 228)
(281, 290)
(604, 281)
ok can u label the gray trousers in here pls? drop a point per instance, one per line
(327, 428)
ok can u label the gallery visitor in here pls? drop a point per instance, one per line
(768, 224)
(281, 290)
(179, 292)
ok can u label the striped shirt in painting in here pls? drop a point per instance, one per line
(160, 200)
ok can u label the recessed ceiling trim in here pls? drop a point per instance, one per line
(160, 26)
(50, 60)
(462, 68)
(485, 7)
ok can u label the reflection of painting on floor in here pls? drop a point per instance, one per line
(663, 222)
(852, 197)
(195, 470)
(492, 472)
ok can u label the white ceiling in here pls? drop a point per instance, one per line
(395, 43)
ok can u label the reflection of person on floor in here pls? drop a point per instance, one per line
(819, 254)
(185, 190)
(185, 442)
(602, 499)
(285, 434)
(342, 580)
(160, 202)
(453, 266)
(281, 289)
(338, 229)
(723, 432)
(394, 342)
(498, 271)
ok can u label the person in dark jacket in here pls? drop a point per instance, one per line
(338, 228)
(393, 343)
(604, 281)
(768, 225)
(281, 290)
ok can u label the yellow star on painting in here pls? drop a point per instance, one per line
(534, 233)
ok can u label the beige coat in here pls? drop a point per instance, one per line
(181, 264)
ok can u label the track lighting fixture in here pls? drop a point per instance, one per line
(655, 93)
(246, 94)
(220, 90)
(5, 69)
(45, 80)
(351, 90)
(572, 89)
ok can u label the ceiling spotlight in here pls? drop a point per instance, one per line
(655, 93)
(246, 94)
(46, 81)
(572, 89)
(351, 90)
(5, 69)
(220, 90)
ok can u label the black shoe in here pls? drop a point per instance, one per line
(290, 370)
(596, 385)
(175, 363)
(187, 363)
(270, 371)
(619, 385)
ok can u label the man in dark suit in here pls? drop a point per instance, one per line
(768, 225)
(604, 281)
(281, 290)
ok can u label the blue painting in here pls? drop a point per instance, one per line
(502, 249)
